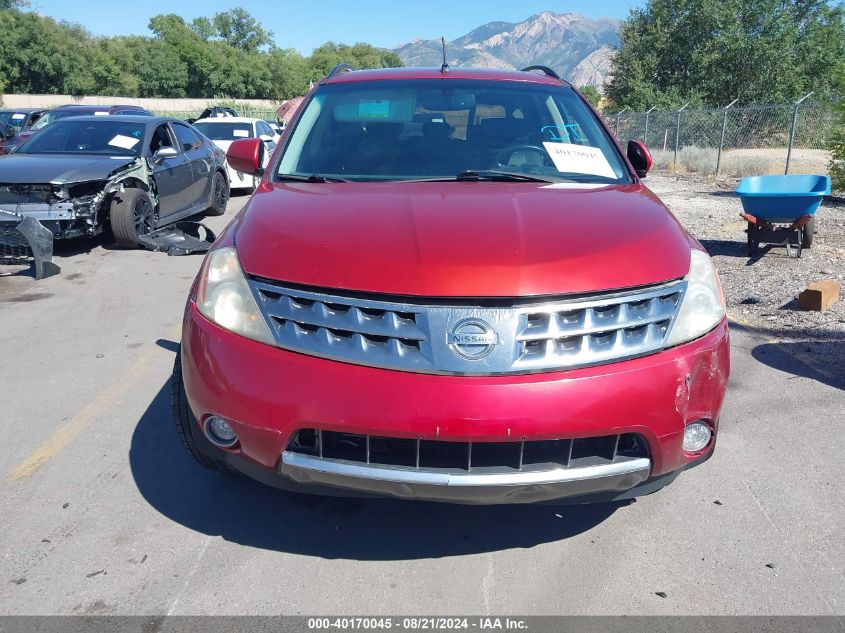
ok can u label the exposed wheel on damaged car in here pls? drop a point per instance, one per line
(219, 195)
(131, 216)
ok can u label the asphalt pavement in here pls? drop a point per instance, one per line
(103, 513)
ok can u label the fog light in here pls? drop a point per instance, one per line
(220, 432)
(697, 436)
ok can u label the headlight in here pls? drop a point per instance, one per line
(224, 297)
(703, 307)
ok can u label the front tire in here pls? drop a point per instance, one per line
(187, 426)
(131, 215)
(219, 195)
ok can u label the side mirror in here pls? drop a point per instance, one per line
(246, 155)
(640, 157)
(164, 153)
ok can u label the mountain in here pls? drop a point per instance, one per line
(578, 48)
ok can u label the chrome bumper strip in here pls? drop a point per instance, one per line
(472, 488)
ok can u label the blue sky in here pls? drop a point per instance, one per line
(308, 23)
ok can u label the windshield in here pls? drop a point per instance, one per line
(110, 137)
(435, 129)
(224, 131)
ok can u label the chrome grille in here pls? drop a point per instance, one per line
(529, 337)
(601, 331)
(343, 329)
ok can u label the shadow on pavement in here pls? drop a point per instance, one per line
(249, 513)
(786, 357)
(738, 249)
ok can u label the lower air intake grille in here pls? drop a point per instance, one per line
(474, 457)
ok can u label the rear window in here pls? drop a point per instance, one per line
(56, 115)
(417, 129)
(13, 119)
(224, 131)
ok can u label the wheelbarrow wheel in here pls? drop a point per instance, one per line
(807, 233)
(753, 242)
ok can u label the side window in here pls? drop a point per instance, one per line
(186, 137)
(161, 138)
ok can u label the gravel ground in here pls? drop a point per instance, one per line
(762, 293)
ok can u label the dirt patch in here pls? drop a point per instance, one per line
(763, 292)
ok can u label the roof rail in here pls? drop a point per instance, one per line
(340, 68)
(548, 71)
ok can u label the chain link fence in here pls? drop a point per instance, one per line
(733, 141)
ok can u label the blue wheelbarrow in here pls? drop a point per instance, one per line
(781, 210)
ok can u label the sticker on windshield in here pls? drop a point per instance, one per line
(579, 159)
(374, 109)
(569, 133)
(17, 116)
(101, 114)
(124, 142)
(240, 133)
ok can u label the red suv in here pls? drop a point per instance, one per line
(454, 286)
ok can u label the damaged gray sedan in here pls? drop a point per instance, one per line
(84, 175)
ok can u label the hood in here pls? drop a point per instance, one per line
(224, 145)
(461, 239)
(58, 168)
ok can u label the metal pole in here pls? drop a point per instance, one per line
(645, 136)
(792, 130)
(619, 114)
(722, 138)
(677, 139)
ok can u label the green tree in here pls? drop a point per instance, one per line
(237, 28)
(592, 94)
(290, 74)
(226, 56)
(360, 55)
(710, 52)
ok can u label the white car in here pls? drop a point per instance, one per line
(224, 130)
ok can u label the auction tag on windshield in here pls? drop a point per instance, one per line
(124, 142)
(17, 116)
(101, 114)
(240, 133)
(374, 109)
(579, 159)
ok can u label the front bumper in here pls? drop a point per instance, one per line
(268, 394)
(24, 237)
(524, 487)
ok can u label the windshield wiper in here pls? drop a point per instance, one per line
(471, 175)
(503, 176)
(311, 178)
